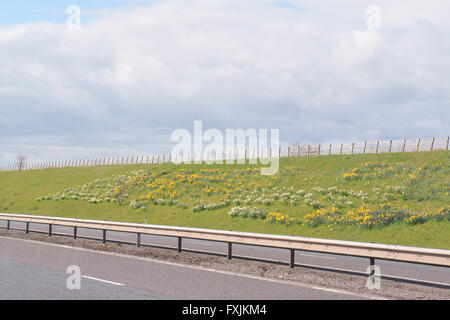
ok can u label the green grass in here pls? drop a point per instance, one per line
(416, 181)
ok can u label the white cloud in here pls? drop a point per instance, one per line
(129, 78)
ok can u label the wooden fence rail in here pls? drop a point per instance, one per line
(374, 147)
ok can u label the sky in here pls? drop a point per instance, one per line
(26, 11)
(135, 71)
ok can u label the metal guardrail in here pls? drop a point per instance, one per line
(436, 257)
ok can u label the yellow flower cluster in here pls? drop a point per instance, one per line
(350, 175)
(381, 170)
(209, 182)
(278, 217)
(383, 214)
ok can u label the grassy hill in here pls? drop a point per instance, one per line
(397, 198)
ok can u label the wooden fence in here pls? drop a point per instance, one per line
(416, 145)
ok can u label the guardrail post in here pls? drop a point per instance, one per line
(8, 224)
(292, 260)
(230, 251)
(104, 236)
(27, 227)
(75, 232)
(50, 230)
(138, 240)
(371, 262)
(180, 243)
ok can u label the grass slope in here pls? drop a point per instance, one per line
(202, 195)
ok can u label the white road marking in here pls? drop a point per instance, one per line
(106, 281)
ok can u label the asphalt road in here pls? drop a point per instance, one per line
(34, 270)
(440, 275)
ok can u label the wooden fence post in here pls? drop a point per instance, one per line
(390, 146)
(318, 151)
(404, 145)
(378, 143)
(365, 145)
(353, 147)
(432, 145)
(329, 150)
(418, 144)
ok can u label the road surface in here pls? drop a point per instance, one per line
(439, 275)
(37, 270)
